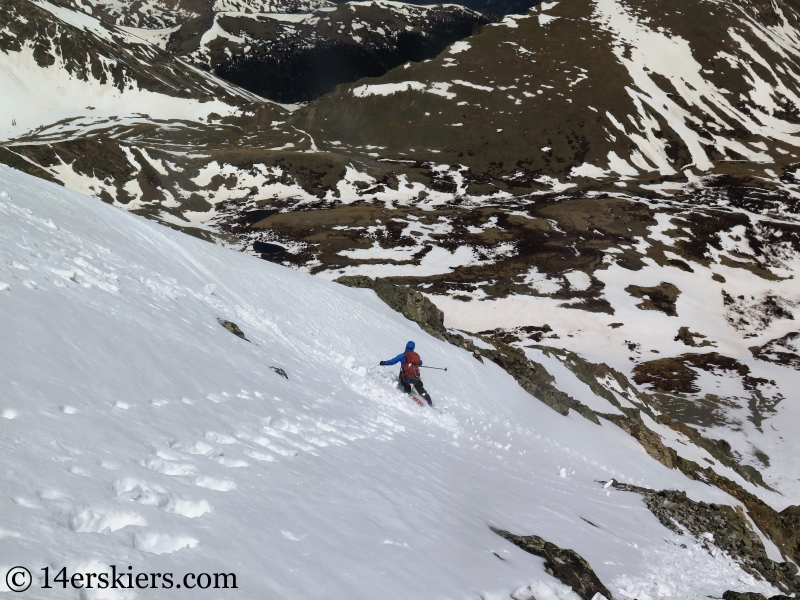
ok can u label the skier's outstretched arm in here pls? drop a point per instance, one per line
(393, 361)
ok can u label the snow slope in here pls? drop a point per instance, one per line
(138, 431)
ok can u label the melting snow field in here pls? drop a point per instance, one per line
(604, 338)
(645, 51)
(137, 431)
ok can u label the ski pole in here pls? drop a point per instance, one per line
(437, 368)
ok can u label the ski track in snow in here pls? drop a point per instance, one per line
(138, 431)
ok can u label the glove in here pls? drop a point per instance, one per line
(380, 364)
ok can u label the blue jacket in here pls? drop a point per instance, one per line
(400, 359)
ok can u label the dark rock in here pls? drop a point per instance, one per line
(590, 373)
(534, 333)
(631, 422)
(731, 595)
(280, 372)
(790, 516)
(683, 265)
(749, 315)
(233, 328)
(661, 297)
(688, 338)
(566, 565)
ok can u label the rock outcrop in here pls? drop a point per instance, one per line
(566, 565)
(723, 526)
(410, 303)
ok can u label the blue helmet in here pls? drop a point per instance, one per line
(410, 346)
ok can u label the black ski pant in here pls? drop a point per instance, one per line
(407, 385)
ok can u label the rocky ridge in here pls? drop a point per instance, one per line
(723, 526)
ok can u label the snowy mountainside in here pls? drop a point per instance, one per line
(101, 110)
(163, 14)
(138, 431)
(643, 91)
(61, 68)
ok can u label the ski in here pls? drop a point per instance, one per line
(422, 403)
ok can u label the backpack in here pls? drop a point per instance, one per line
(410, 370)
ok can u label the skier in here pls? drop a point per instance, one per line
(410, 362)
